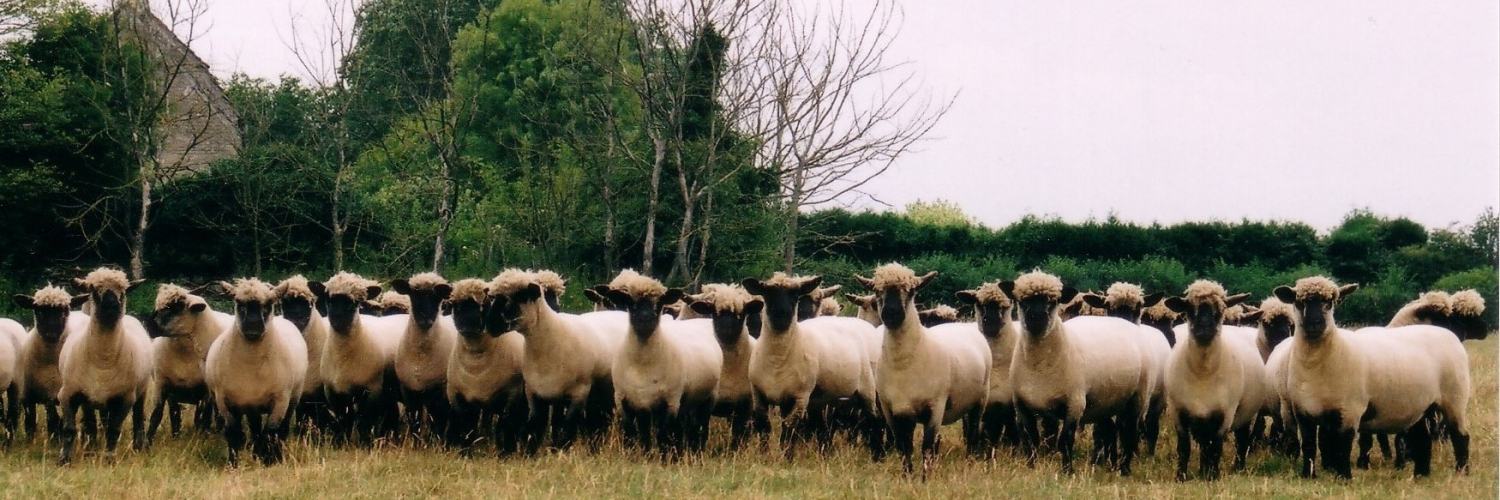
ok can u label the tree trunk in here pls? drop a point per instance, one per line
(649, 251)
(445, 217)
(338, 221)
(138, 240)
(708, 218)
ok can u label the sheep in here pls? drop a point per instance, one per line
(1215, 382)
(1162, 319)
(553, 287)
(484, 374)
(392, 303)
(1127, 301)
(1467, 320)
(1377, 379)
(299, 305)
(12, 334)
(1079, 307)
(107, 365)
(941, 314)
(666, 372)
(568, 359)
(256, 368)
(39, 379)
(804, 366)
(1085, 370)
(809, 306)
(929, 376)
(993, 314)
(359, 376)
(829, 306)
(730, 307)
(184, 326)
(1273, 326)
(422, 356)
(866, 306)
(596, 296)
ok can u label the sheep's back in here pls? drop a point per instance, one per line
(702, 358)
(1410, 368)
(1111, 360)
(843, 359)
(972, 360)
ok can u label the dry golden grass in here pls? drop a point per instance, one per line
(193, 467)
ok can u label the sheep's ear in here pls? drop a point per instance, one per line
(754, 286)
(134, 284)
(829, 292)
(754, 306)
(1068, 294)
(1253, 315)
(318, 289)
(224, 289)
(1152, 299)
(672, 295)
(867, 282)
(443, 290)
(401, 286)
(78, 300)
(925, 279)
(80, 284)
(1285, 294)
(1177, 305)
(809, 285)
(619, 298)
(592, 295)
(1094, 300)
(703, 308)
(372, 291)
(1345, 290)
(23, 301)
(967, 297)
(1008, 288)
(1236, 299)
(198, 308)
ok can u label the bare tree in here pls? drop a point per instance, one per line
(835, 112)
(321, 49)
(19, 16)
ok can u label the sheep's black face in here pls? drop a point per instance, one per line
(807, 308)
(753, 323)
(991, 317)
(1277, 329)
(341, 312)
(368, 308)
(393, 310)
(109, 307)
(426, 304)
(1037, 313)
(468, 318)
(252, 317)
(495, 320)
(1315, 312)
(297, 310)
(1204, 322)
(893, 303)
(505, 311)
(1164, 325)
(50, 322)
(1127, 313)
(1469, 327)
(551, 298)
(644, 312)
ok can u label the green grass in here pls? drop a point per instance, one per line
(193, 467)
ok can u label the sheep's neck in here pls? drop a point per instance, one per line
(1406, 317)
(543, 330)
(1204, 360)
(1049, 349)
(906, 336)
(869, 315)
(107, 344)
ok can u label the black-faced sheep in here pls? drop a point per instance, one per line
(1274, 326)
(866, 308)
(1086, 370)
(184, 326)
(359, 376)
(255, 371)
(1467, 320)
(107, 365)
(12, 334)
(422, 356)
(553, 287)
(666, 372)
(994, 314)
(941, 314)
(1128, 301)
(926, 376)
(1215, 382)
(484, 374)
(730, 307)
(803, 367)
(1376, 379)
(299, 305)
(39, 379)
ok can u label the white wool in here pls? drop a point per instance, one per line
(1037, 283)
(179, 372)
(106, 279)
(829, 306)
(484, 373)
(639, 286)
(942, 311)
(1204, 292)
(510, 281)
(551, 282)
(1316, 286)
(896, 276)
(1124, 295)
(782, 280)
(391, 299)
(1438, 303)
(990, 293)
(1159, 312)
(426, 281)
(725, 298)
(51, 296)
(253, 290)
(422, 359)
(678, 367)
(350, 285)
(911, 380)
(167, 294)
(1272, 308)
(106, 366)
(468, 289)
(1467, 303)
(829, 355)
(295, 286)
(1224, 379)
(261, 377)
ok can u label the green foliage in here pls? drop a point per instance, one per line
(939, 213)
(1482, 279)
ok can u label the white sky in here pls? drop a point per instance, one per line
(1155, 110)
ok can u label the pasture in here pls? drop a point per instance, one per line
(193, 466)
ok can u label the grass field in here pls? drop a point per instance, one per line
(194, 467)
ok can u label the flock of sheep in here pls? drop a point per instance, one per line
(474, 361)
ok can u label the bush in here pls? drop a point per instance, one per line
(1483, 279)
(1375, 303)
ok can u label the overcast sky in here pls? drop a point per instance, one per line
(1155, 110)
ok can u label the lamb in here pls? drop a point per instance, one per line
(484, 374)
(929, 376)
(107, 365)
(1377, 380)
(422, 356)
(730, 307)
(1467, 320)
(392, 303)
(299, 305)
(993, 312)
(256, 368)
(1127, 301)
(866, 305)
(11, 336)
(1085, 370)
(359, 377)
(666, 372)
(38, 375)
(187, 327)
(568, 358)
(805, 366)
(941, 314)
(1215, 382)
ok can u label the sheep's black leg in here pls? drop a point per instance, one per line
(203, 413)
(463, 428)
(1384, 440)
(138, 439)
(931, 440)
(572, 423)
(1340, 445)
(69, 427)
(90, 425)
(1365, 440)
(1050, 433)
(536, 424)
(114, 418)
(1030, 441)
(28, 415)
(174, 416)
(1129, 437)
(12, 412)
(1065, 440)
(1308, 427)
(257, 435)
(974, 442)
(1460, 440)
(1419, 440)
(1105, 439)
(1151, 427)
(903, 431)
(234, 436)
(1184, 446)
(1244, 438)
(1402, 449)
(54, 421)
(275, 436)
(739, 421)
(1212, 452)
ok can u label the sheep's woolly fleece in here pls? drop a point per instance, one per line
(1436, 301)
(725, 298)
(393, 299)
(106, 279)
(468, 289)
(1124, 295)
(1316, 286)
(943, 311)
(895, 275)
(1468, 303)
(1273, 308)
(990, 293)
(551, 282)
(253, 290)
(1203, 292)
(783, 281)
(1159, 312)
(1234, 314)
(510, 281)
(350, 285)
(295, 286)
(424, 281)
(829, 306)
(639, 286)
(51, 296)
(167, 294)
(1038, 283)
